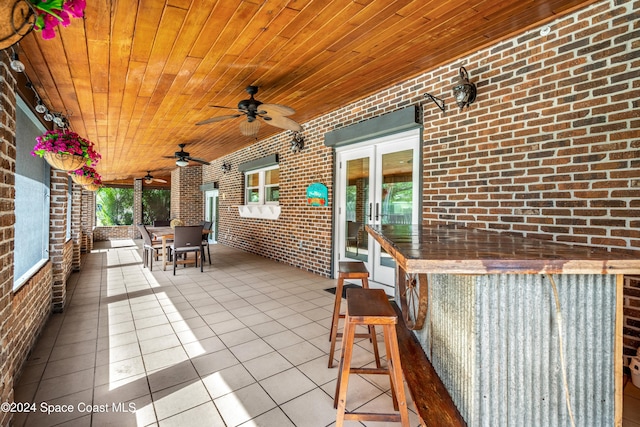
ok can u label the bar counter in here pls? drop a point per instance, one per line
(492, 321)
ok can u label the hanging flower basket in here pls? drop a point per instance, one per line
(65, 150)
(63, 161)
(95, 185)
(82, 180)
(84, 175)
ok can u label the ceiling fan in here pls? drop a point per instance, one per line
(273, 114)
(184, 157)
(148, 179)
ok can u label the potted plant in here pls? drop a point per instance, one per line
(50, 13)
(84, 176)
(65, 150)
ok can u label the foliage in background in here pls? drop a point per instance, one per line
(114, 206)
(156, 205)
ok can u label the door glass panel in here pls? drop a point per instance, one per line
(357, 209)
(396, 204)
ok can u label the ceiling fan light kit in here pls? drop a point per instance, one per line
(148, 179)
(183, 158)
(252, 109)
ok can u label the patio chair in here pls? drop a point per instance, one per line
(150, 248)
(187, 239)
(206, 225)
(353, 234)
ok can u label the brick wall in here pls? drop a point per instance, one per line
(7, 219)
(76, 226)
(187, 201)
(58, 236)
(116, 232)
(88, 219)
(302, 235)
(137, 206)
(549, 150)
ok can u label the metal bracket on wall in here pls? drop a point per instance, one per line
(439, 102)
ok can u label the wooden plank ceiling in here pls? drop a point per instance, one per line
(135, 76)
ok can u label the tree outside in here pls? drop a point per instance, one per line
(114, 206)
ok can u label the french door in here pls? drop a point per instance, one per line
(378, 183)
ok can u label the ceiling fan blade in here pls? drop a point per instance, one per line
(276, 110)
(195, 159)
(248, 128)
(284, 123)
(169, 157)
(222, 106)
(163, 181)
(218, 119)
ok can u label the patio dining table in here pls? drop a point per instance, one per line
(166, 234)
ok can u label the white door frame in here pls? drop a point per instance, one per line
(375, 148)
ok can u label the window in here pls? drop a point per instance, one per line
(32, 200)
(262, 186)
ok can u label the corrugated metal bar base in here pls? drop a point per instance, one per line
(493, 339)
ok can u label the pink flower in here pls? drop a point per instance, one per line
(50, 24)
(75, 8)
(49, 13)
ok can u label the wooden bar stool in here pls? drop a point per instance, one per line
(349, 270)
(370, 307)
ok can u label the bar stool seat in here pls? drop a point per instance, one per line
(349, 270)
(370, 307)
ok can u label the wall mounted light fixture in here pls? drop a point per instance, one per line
(297, 143)
(226, 167)
(464, 91)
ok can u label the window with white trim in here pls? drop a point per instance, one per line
(262, 186)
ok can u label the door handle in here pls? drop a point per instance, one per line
(370, 210)
(377, 211)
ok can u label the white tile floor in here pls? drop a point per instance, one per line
(244, 343)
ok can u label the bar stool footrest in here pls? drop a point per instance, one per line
(369, 371)
(370, 416)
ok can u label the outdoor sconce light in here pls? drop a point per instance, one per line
(226, 167)
(464, 91)
(297, 143)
